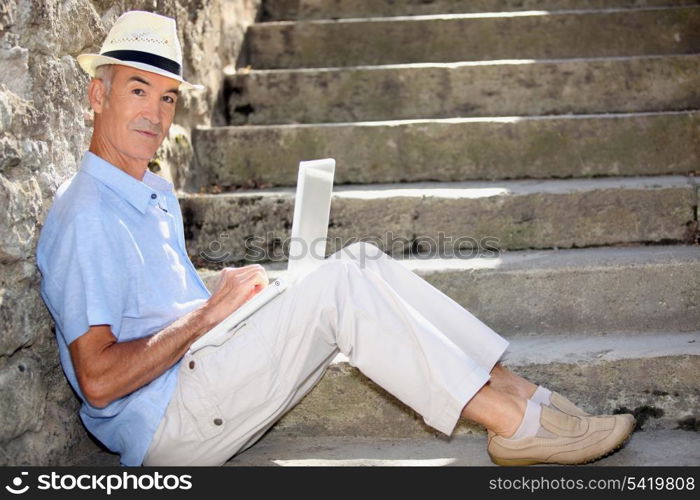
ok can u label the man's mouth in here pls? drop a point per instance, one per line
(147, 133)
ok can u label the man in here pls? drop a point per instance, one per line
(128, 303)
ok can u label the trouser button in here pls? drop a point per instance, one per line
(218, 421)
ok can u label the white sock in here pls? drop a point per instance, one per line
(530, 423)
(541, 396)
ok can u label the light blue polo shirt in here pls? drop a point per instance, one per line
(112, 251)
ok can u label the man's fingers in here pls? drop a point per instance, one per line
(252, 268)
(258, 280)
(239, 270)
(257, 272)
(245, 272)
(250, 277)
(252, 287)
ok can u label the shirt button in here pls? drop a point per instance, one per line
(218, 421)
(191, 365)
(154, 196)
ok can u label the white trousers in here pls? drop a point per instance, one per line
(396, 328)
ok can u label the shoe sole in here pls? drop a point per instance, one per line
(514, 462)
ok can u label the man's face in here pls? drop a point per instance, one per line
(137, 113)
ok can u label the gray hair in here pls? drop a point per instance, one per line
(105, 73)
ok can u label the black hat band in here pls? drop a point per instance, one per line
(146, 58)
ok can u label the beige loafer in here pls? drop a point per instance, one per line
(566, 439)
(564, 405)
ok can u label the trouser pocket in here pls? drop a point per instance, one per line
(219, 340)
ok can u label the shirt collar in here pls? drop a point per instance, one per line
(136, 192)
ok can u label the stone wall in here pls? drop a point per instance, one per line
(45, 125)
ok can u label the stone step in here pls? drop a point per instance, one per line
(653, 448)
(475, 37)
(451, 149)
(440, 217)
(654, 376)
(324, 9)
(646, 448)
(581, 291)
(449, 90)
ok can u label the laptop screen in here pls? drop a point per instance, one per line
(312, 205)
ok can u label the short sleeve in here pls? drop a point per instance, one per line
(86, 282)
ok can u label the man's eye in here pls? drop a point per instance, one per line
(169, 99)
(136, 91)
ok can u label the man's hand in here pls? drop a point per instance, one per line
(236, 286)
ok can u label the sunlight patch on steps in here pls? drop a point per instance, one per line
(364, 462)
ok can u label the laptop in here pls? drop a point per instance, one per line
(307, 248)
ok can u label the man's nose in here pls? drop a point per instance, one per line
(151, 112)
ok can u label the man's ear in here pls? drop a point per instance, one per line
(96, 94)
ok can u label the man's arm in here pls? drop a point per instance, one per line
(107, 370)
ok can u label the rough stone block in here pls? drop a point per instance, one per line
(450, 150)
(435, 217)
(333, 9)
(449, 90)
(533, 35)
(22, 396)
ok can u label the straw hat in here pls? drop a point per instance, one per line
(142, 40)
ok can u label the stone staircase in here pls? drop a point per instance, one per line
(562, 137)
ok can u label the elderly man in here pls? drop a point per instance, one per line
(128, 303)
